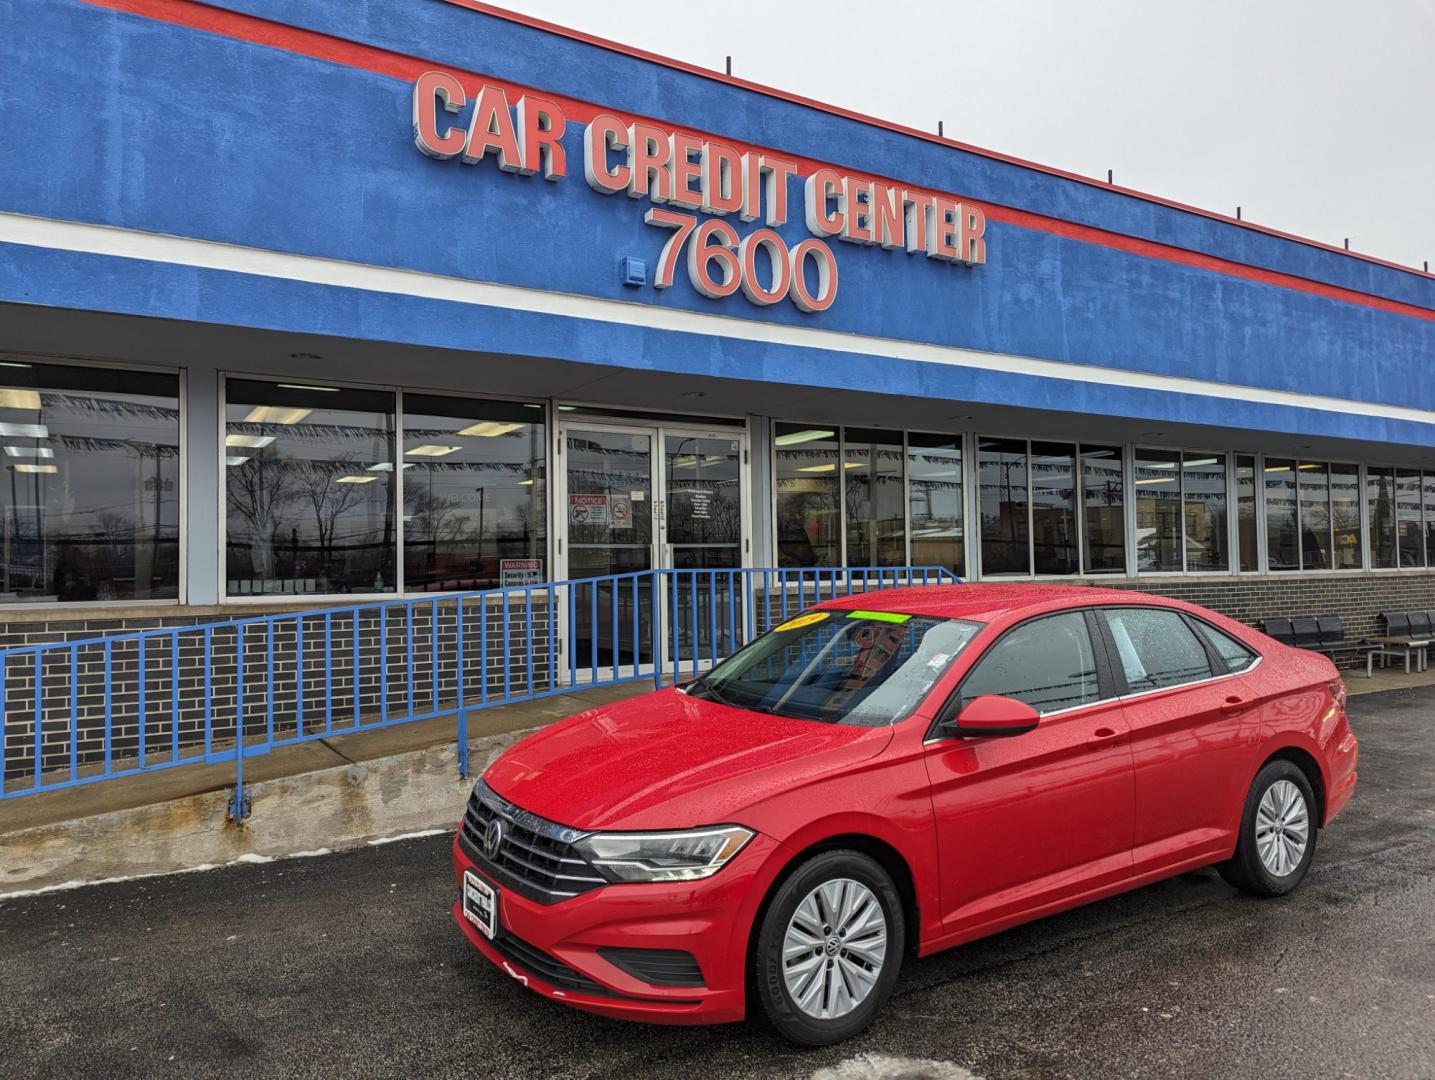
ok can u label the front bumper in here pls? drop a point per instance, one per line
(553, 949)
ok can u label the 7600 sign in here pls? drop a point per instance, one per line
(720, 263)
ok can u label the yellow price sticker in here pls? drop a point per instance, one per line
(802, 620)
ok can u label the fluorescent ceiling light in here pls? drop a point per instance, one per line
(301, 386)
(250, 442)
(792, 438)
(19, 399)
(488, 429)
(276, 414)
(829, 467)
(25, 431)
(356, 479)
(1159, 480)
(233, 460)
(388, 466)
(1312, 465)
(1278, 468)
(525, 483)
(1159, 465)
(432, 450)
(29, 451)
(12, 363)
(526, 405)
(1201, 461)
(567, 408)
(36, 468)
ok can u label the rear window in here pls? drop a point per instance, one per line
(1156, 648)
(1235, 655)
(865, 668)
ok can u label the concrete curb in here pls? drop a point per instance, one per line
(328, 809)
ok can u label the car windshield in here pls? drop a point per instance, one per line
(865, 668)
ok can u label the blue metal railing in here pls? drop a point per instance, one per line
(85, 711)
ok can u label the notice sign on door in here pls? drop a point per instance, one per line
(589, 510)
(620, 511)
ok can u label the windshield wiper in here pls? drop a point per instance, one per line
(723, 699)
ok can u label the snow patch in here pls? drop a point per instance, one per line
(888, 1067)
(406, 836)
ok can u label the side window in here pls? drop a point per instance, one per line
(1156, 648)
(1047, 663)
(1236, 655)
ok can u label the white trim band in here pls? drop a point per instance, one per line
(210, 255)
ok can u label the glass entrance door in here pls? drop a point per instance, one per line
(608, 529)
(702, 529)
(651, 498)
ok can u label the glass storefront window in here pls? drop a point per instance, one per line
(1002, 493)
(1246, 513)
(1380, 501)
(1314, 485)
(475, 494)
(1428, 498)
(1158, 510)
(91, 511)
(875, 510)
(808, 512)
(1053, 507)
(1410, 532)
(1282, 516)
(1345, 517)
(934, 483)
(1203, 480)
(1103, 500)
(310, 490)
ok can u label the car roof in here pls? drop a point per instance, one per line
(986, 603)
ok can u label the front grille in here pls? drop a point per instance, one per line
(659, 967)
(535, 856)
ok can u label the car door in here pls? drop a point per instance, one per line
(1192, 731)
(1028, 821)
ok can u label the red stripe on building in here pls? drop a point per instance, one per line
(250, 28)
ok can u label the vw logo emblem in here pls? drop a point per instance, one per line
(492, 838)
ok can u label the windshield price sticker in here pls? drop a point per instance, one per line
(802, 620)
(878, 616)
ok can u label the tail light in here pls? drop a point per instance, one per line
(1339, 692)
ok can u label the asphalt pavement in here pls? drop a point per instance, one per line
(348, 965)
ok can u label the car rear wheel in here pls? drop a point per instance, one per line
(829, 948)
(1278, 830)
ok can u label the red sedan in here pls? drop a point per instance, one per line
(886, 776)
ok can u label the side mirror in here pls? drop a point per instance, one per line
(991, 714)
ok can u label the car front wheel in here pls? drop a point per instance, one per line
(829, 948)
(1278, 831)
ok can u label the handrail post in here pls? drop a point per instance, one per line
(462, 711)
(655, 599)
(239, 802)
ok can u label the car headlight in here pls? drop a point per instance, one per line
(669, 856)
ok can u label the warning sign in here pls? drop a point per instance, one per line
(520, 572)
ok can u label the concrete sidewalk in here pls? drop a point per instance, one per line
(330, 793)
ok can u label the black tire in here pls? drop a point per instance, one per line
(769, 986)
(1246, 871)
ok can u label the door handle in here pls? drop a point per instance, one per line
(1103, 736)
(1234, 706)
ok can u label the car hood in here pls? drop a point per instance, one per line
(667, 761)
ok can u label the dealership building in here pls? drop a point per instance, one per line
(316, 301)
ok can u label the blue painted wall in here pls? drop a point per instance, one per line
(115, 119)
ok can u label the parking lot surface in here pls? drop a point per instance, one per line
(349, 965)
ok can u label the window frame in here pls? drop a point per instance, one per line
(92, 363)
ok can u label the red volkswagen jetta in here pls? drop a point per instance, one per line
(885, 776)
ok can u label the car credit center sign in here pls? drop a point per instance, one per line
(680, 173)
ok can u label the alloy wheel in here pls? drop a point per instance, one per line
(834, 948)
(1282, 828)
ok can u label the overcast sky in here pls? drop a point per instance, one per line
(1315, 116)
